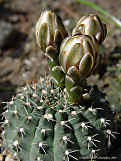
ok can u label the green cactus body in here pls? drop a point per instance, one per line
(41, 125)
(69, 120)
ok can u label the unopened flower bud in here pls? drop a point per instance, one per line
(91, 25)
(78, 55)
(49, 31)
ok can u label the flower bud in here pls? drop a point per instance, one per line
(49, 31)
(91, 25)
(78, 55)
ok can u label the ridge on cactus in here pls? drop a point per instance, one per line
(64, 120)
(42, 125)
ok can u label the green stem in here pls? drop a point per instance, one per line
(56, 73)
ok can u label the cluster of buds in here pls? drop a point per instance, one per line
(71, 58)
(50, 32)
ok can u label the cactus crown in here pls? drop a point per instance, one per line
(71, 58)
(64, 120)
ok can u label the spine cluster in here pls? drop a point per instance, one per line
(69, 120)
(40, 124)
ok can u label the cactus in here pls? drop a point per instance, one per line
(42, 125)
(63, 121)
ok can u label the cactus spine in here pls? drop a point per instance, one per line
(40, 123)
